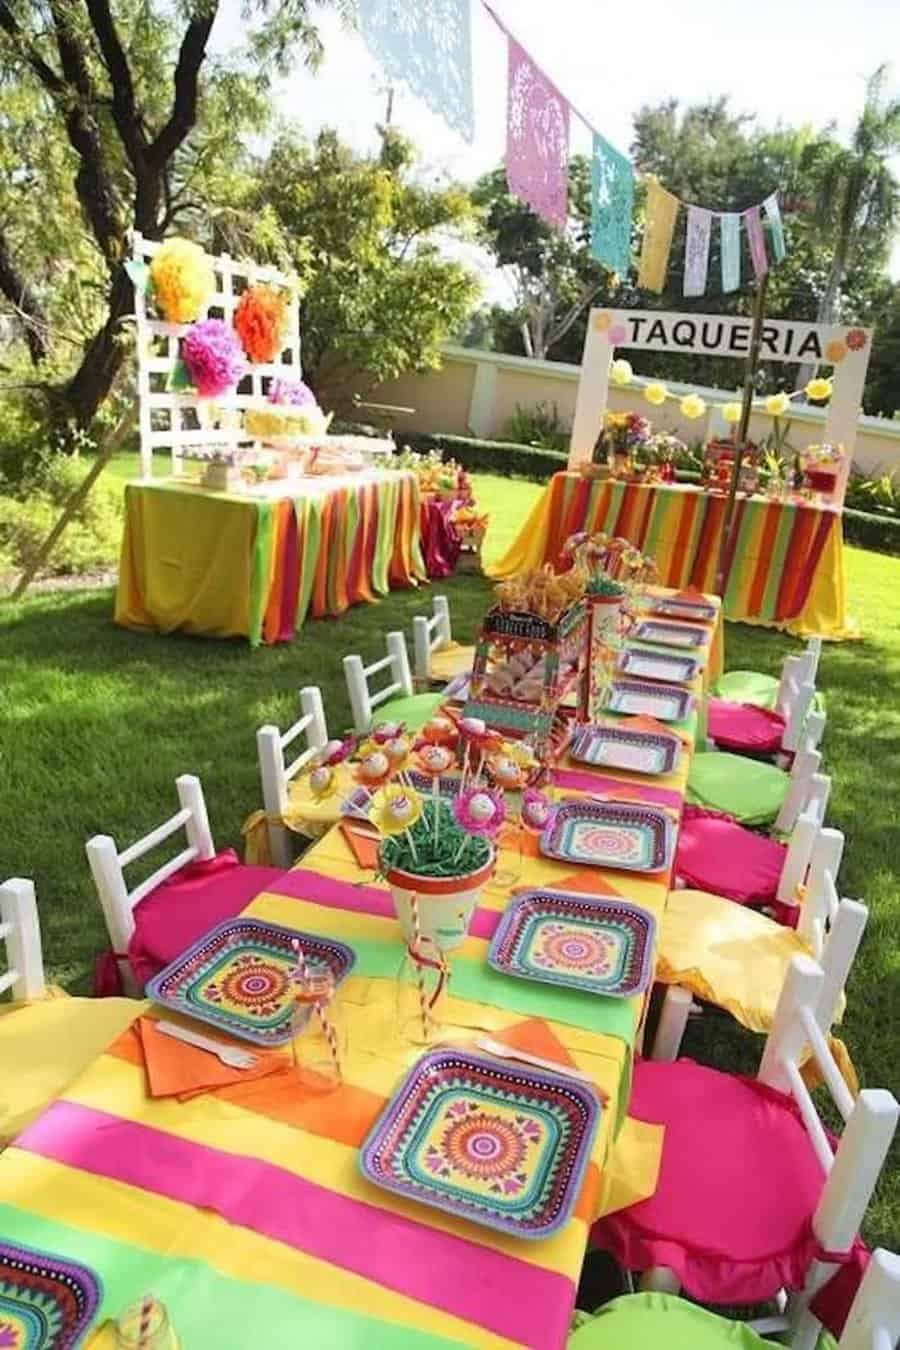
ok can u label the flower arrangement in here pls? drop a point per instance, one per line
(260, 321)
(212, 357)
(288, 420)
(623, 440)
(183, 280)
(471, 525)
(444, 478)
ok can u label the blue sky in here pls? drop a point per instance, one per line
(792, 60)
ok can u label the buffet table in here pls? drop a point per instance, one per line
(786, 569)
(255, 564)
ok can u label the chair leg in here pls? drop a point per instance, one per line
(279, 845)
(659, 1280)
(672, 1022)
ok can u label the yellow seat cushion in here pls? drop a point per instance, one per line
(450, 661)
(46, 1044)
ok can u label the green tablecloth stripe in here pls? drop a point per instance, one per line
(309, 523)
(776, 566)
(384, 539)
(210, 1310)
(260, 570)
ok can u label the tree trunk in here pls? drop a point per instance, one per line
(27, 305)
(102, 361)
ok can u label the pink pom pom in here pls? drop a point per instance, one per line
(213, 358)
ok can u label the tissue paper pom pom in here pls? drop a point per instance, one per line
(292, 392)
(183, 280)
(260, 320)
(213, 358)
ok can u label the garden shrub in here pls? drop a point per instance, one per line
(497, 457)
(540, 425)
(90, 541)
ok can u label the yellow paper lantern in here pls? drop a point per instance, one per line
(731, 413)
(819, 390)
(620, 372)
(777, 405)
(656, 394)
(692, 407)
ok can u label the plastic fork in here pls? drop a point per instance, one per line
(503, 1051)
(229, 1055)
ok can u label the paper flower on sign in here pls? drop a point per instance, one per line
(856, 339)
(213, 357)
(777, 405)
(620, 373)
(183, 280)
(656, 394)
(602, 321)
(394, 809)
(835, 351)
(731, 412)
(480, 811)
(692, 407)
(819, 390)
(260, 321)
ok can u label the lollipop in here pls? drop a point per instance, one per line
(394, 809)
(435, 760)
(397, 750)
(321, 781)
(480, 811)
(373, 769)
(506, 773)
(334, 752)
(536, 809)
(439, 731)
(472, 728)
(387, 731)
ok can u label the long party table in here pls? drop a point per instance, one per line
(256, 564)
(246, 1208)
(785, 569)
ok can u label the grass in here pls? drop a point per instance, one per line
(96, 722)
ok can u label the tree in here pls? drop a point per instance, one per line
(121, 85)
(378, 294)
(554, 277)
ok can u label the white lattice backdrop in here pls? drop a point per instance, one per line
(169, 420)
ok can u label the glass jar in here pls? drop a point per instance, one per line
(145, 1326)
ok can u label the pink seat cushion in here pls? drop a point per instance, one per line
(718, 855)
(739, 1182)
(186, 906)
(743, 727)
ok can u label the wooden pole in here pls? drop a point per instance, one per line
(107, 450)
(759, 311)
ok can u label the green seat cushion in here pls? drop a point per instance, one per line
(747, 686)
(414, 710)
(662, 1322)
(748, 789)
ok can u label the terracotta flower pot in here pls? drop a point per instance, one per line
(445, 904)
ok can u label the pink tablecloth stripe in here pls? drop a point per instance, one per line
(465, 1278)
(318, 889)
(593, 782)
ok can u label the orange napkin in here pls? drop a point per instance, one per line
(644, 722)
(178, 1070)
(535, 1037)
(362, 844)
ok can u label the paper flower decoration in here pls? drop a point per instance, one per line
(291, 393)
(480, 811)
(260, 321)
(620, 373)
(602, 321)
(213, 358)
(395, 809)
(322, 781)
(183, 280)
(819, 390)
(856, 339)
(434, 760)
(731, 413)
(692, 406)
(837, 350)
(777, 405)
(656, 394)
(536, 809)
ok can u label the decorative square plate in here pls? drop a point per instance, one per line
(46, 1303)
(501, 1144)
(237, 978)
(677, 607)
(670, 634)
(651, 665)
(581, 941)
(635, 838)
(618, 748)
(665, 702)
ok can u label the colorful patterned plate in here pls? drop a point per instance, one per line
(500, 1144)
(677, 608)
(666, 702)
(46, 1303)
(610, 834)
(650, 665)
(237, 978)
(582, 941)
(616, 748)
(670, 634)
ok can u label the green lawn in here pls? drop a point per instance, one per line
(96, 722)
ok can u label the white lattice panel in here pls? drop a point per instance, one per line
(170, 420)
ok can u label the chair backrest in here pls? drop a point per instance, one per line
(813, 731)
(108, 864)
(796, 713)
(271, 744)
(431, 635)
(20, 930)
(873, 1322)
(811, 658)
(799, 854)
(363, 701)
(804, 768)
(852, 1170)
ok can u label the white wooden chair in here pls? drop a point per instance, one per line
(874, 1319)
(276, 775)
(108, 864)
(393, 702)
(851, 1171)
(46, 1039)
(431, 635)
(832, 929)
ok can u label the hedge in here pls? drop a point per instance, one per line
(501, 457)
(881, 534)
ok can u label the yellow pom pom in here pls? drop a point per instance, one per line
(731, 412)
(183, 280)
(656, 394)
(620, 372)
(819, 390)
(777, 405)
(692, 406)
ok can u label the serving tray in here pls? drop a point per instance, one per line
(46, 1302)
(237, 978)
(501, 1144)
(665, 702)
(631, 837)
(599, 945)
(650, 665)
(646, 752)
(679, 607)
(670, 634)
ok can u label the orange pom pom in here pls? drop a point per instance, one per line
(260, 321)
